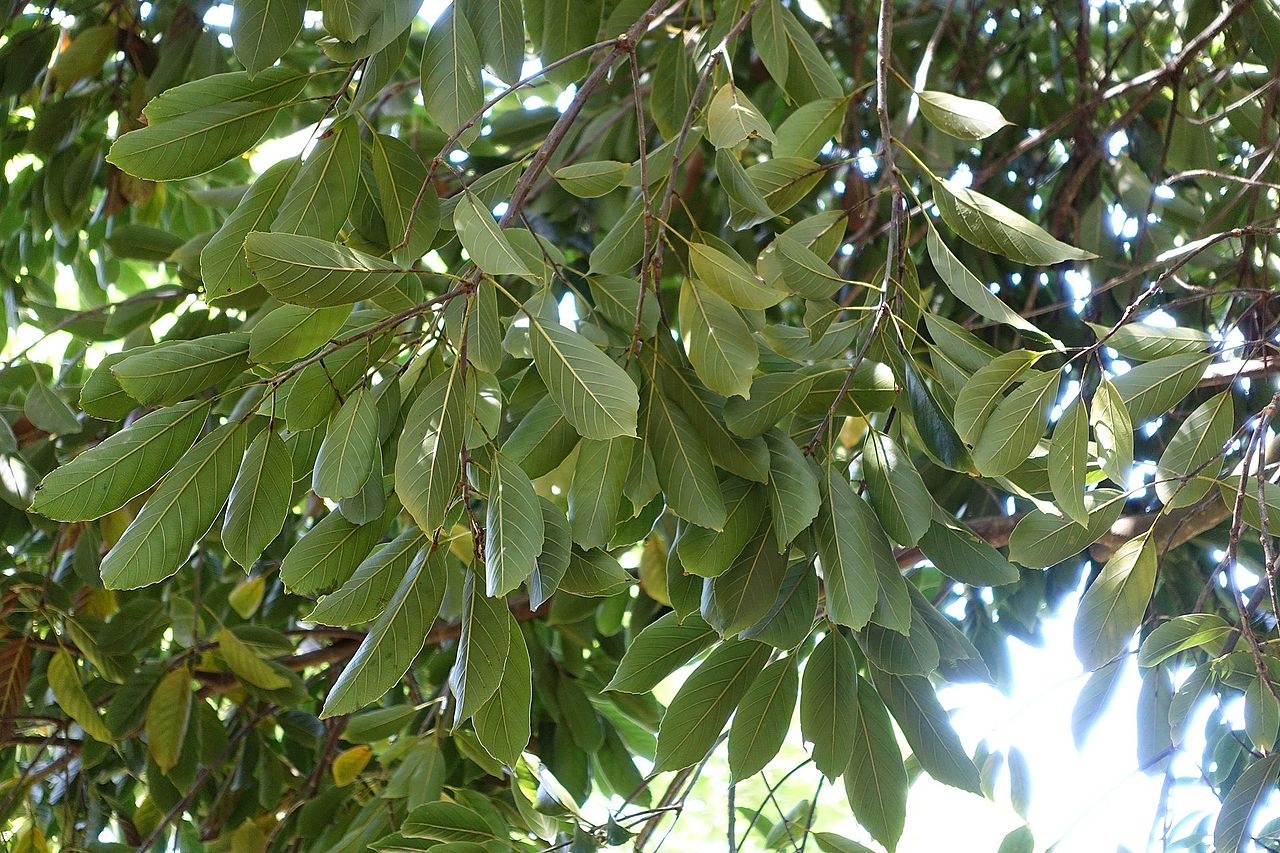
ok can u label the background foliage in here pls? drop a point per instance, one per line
(361, 497)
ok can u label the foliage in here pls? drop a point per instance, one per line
(363, 498)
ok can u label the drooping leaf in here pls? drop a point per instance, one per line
(875, 782)
(428, 468)
(665, 645)
(702, 705)
(393, 641)
(64, 679)
(482, 650)
(989, 225)
(1112, 432)
(259, 499)
(963, 118)
(1198, 441)
(106, 477)
(828, 702)
(168, 715)
(350, 449)
(513, 521)
(761, 724)
(596, 396)
(262, 30)
(1016, 425)
(1069, 460)
(1149, 390)
(894, 487)
(717, 340)
(1114, 604)
(732, 119)
(179, 511)
(315, 273)
(451, 87)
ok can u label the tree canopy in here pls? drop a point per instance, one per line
(449, 428)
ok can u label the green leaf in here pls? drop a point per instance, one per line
(1069, 460)
(792, 488)
(986, 389)
(247, 666)
(1015, 427)
(514, 528)
(373, 584)
(1042, 540)
(596, 395)
(595, 492)
(730, 277)
(262, 30)
(709, 553)
(223, 266)
(594, 574)
(1179, 634)
(259, 499)
(277, 86)
(315, 273)
(291, 332)
(829, 842)
(499, 30)
(681, 461)
(451, 87)
(1199, 439)
(963, 118)
(717, 340)
(482, 650)
(808, 129)
(733, 119)
(63, 677)
(592, 179)
(935, 429)
(393, 641)
(484, 241)
(1261, 713)
(1114, 604)
(803, 270)
(49, 412)
(1112, 432)
(106, 477)
(348, 20)
(320, 198)
(848, 539)
(1152, 389)
(773, 397)
(959, 554)
(193, 143)
(746, 206)
(180, 511)
(399, 174)
(428, 467)
(966, 287)
(702, 705)
(761, 725)
(172, 372)
(924, 723)
(665, 645)
(739, 597)
(168, 715)
(898, 495)
(446, 821)
(350, 449)
(989, 225)
(556, 554)
(541, 440)
(790, 55)
(502, 724)
(875, 782)
(328, 554)
(1251, 788)
(1142, 342)
(829, 693)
